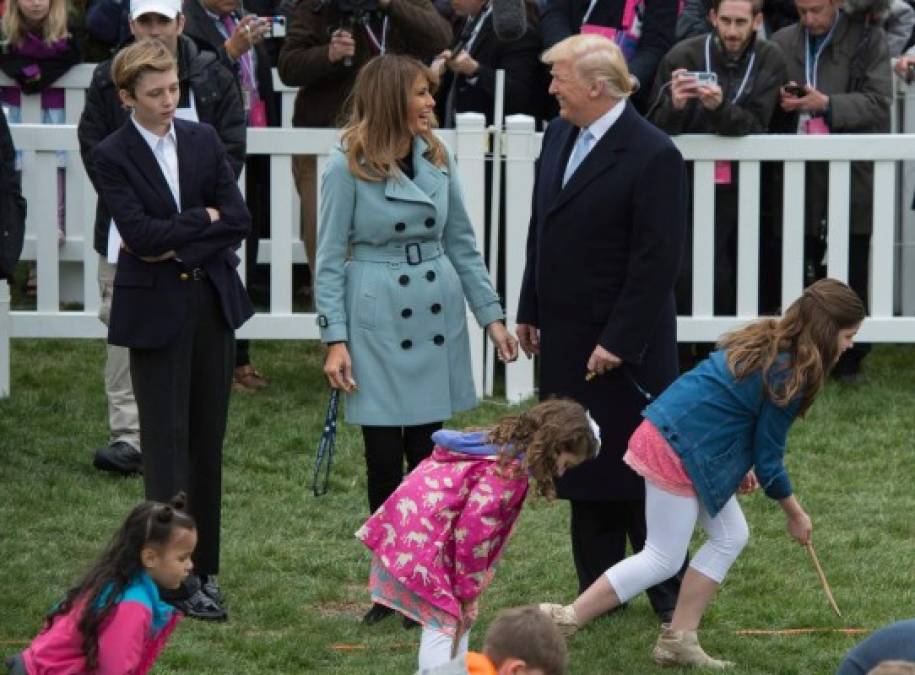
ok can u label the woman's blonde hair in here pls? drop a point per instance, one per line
(137, 59)
(595, 59)
(540, 434)
(53, 28)
(808, 334)
(378, 125)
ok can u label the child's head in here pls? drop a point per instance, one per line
(155, 538)
(553, 436)
(814, 331)
(47, 18)
(524, 641)
(145, 75)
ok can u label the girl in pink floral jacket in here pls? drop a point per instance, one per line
(437, 538)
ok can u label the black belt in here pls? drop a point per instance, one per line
(196, 274)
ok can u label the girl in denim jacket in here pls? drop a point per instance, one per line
(718, 430)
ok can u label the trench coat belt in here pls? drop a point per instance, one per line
(412, 253)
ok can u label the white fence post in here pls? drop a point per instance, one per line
(470, 152)
(521, 150)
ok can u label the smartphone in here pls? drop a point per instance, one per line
(703, 77)
(276, 26)
(796, 90)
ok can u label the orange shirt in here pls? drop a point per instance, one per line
(479, 664)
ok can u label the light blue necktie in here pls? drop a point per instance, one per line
(579, 152)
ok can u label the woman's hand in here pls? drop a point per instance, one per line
(338, 368)
(749, 483)
(800, 527)
(506, 345)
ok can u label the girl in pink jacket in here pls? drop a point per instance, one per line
(113, 622)
(437, 538)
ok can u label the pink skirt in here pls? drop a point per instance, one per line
(651, 456)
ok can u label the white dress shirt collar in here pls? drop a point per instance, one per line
(153, 139)
(602, 124)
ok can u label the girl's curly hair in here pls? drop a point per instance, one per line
(102, 586)
(538, 435)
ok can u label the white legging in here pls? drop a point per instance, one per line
(435, 647)
(670, 521)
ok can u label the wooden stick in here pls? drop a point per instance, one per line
(784, 632)
(816, 562)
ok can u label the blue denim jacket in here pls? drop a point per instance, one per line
(721, 428)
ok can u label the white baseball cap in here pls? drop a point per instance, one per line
(169, 8)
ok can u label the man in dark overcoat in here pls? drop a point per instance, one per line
(603, 253)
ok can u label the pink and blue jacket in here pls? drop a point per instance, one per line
(440, 534)
(130, 638)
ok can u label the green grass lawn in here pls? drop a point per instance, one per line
(295, 576)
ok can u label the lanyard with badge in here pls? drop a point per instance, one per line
(807, 123)
(378, 44)
(723, 168)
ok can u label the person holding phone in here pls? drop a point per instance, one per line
(743, 79)
(838, 82)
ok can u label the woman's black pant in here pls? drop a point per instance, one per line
(385, 448)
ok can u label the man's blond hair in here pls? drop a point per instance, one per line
(137, 59)
(594, 58)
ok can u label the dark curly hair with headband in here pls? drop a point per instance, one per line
(102, 586)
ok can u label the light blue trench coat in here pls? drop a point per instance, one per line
(396, 260)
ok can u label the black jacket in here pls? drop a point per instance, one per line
(216, 96)
(12, 205)
(562, 18)
(602, 257)
(199, 27)
(152, 300)
(750, 114)
(524, 75)
(51, 69)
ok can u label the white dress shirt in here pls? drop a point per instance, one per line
(165, 149)
(600, 126)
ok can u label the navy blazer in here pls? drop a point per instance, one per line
(603, 254)
(151, 300)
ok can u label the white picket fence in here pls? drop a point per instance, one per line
(68, 272)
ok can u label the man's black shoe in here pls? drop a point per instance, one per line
(376, 614)
(201, 606)
(120, 457)
(210, 586)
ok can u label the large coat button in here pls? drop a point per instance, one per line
(430, 222)
(400, 227)
(406, 344)
(439, 339)
(436, 308)
(404, 280)
(430, 275)
(406, 312)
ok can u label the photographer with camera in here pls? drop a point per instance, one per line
(722, 83)
(327, 43)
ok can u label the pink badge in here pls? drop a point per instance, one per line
(722, 173)
(257, 116)
(606, 31)
(816, 125)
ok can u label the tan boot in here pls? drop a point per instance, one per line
(681, 648)
(562, 615)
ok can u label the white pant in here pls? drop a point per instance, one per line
(435, 647)
(670, 521)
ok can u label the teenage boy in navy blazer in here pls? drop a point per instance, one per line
(168, 185)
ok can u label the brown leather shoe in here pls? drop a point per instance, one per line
(247, 378)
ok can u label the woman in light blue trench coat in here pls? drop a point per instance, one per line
(396, 262)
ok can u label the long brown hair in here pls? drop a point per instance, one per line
(541, 433)
(377, 127)
(53, 28)
(808, 334)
